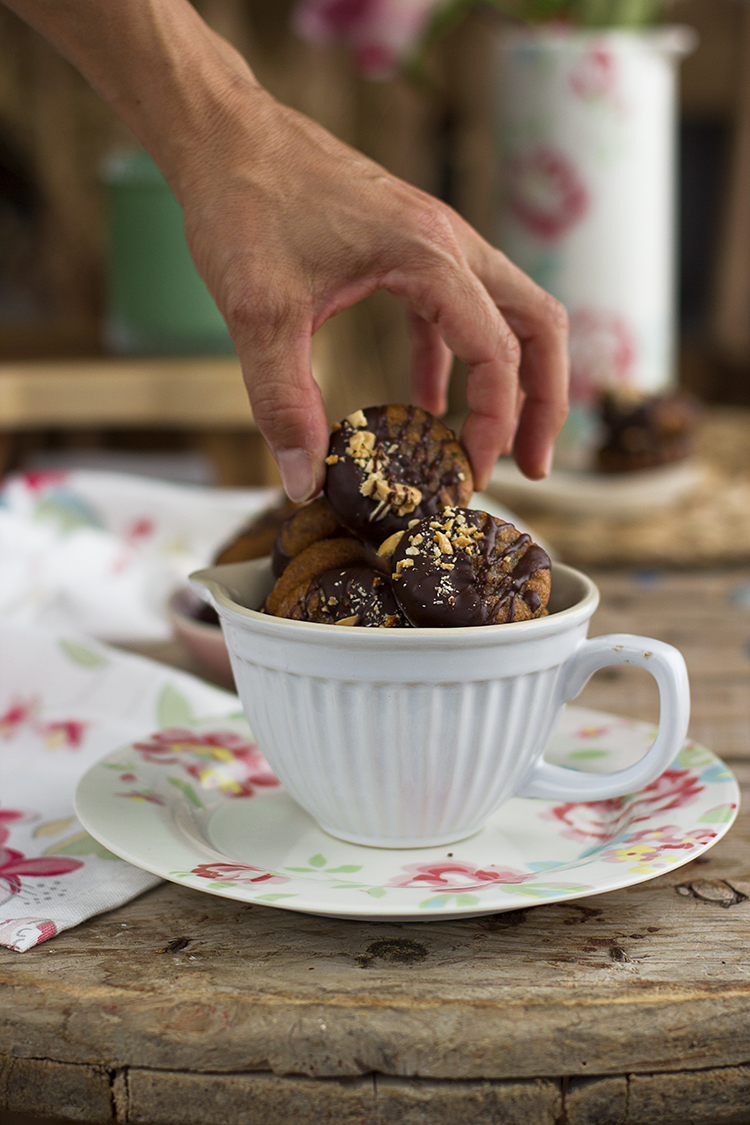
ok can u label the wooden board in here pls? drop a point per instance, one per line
(708, 527)
(179, 1001)
(628, 1008)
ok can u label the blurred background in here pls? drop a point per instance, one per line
(110, 360)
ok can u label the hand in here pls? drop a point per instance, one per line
(289, 226)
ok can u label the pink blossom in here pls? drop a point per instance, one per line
(38, 480)
(237, 873)
(546, 194)
(604, 820)
(7, 816)
(455, 876)
(381, 33)
(141, 528)
(20, 711)
(652, 843)
(23, 933)
(217, 759)
(603, 352)
(14, 865)
(594, 74)
(63, 732)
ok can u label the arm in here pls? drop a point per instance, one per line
(289, 226)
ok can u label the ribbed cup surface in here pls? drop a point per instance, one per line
(397, 761)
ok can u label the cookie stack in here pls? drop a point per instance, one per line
(391, 542)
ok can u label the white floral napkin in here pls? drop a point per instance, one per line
(66, 701)
(100, 552)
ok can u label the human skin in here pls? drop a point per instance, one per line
(288, 226)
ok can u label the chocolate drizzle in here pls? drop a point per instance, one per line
(468, 568)
(419, 465)
(356, 595)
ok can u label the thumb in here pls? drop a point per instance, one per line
(286, 401)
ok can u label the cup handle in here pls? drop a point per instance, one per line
(667, 667)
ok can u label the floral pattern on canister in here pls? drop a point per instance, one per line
(545, 192)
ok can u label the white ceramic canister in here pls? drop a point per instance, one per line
(586, 136)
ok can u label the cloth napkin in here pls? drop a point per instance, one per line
(65, 701)
(100, 552)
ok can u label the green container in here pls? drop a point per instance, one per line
(157, 302)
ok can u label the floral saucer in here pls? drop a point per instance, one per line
(199, 805)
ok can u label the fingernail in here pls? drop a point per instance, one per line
(547, 463)
(296, 469)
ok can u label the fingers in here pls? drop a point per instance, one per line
(510, 333)
(539, 322)
(431, 365)
(273, 345)
(454, 301)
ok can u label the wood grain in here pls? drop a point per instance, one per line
(630, 1008)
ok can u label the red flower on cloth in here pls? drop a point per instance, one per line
(605, 820)
(237, 873)
(603, 353)
(455, 876)
(8, 816)
(545, 192)
(24, 933)
(14, 866)
(19, 712)
(63, 732)
(381, 33)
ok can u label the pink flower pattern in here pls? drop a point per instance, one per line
(606, 820)
(595, 73)
(217, 760)
(651, 846)
(19, 712)
(546, 194)
(14, 865)
(64, 732)
(237, 873)
(602, 353)
(456, 876)
(382, 34)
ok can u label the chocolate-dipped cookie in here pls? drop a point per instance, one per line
(312, 522)
(322, 555)
(345, 596)
(388, 465)
(256, 538)
(466, 567)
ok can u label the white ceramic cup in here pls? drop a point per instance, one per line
(413, 737)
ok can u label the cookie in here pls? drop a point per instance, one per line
(257, 538)
(325, 554)
(307, 525)
(388, 465)
(642, 431)
(345, 596)
(466, 567)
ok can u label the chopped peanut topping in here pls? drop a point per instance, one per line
(357, 419)
(388, 546)
(443, 543)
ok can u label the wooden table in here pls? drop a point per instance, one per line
(628, 1008)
